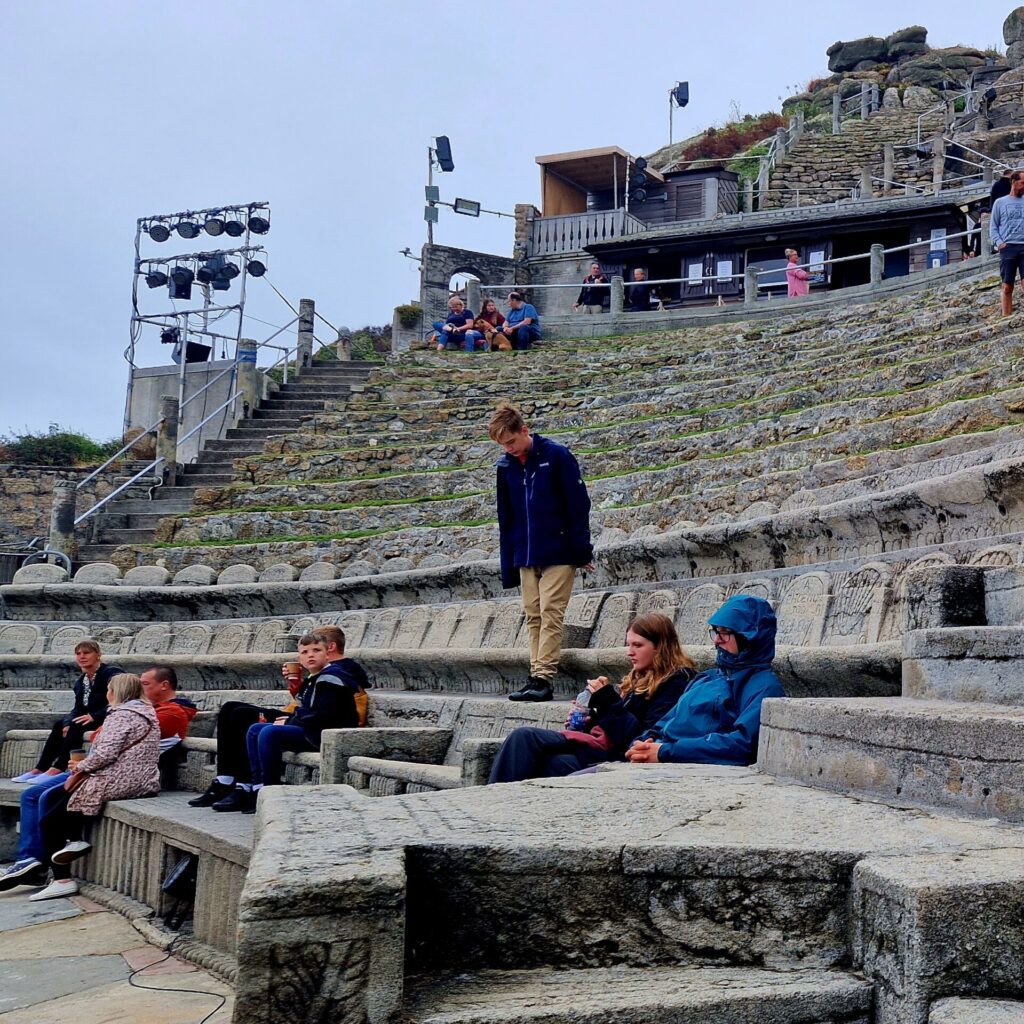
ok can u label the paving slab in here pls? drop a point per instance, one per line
(81, 935)
(29, 982)
(17, 912)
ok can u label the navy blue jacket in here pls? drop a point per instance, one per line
(327, 700)
(95, 701)
(625, 718)
(543, 511)
(718, 718)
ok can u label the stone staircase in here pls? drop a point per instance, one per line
(836, 160)
(133, 518)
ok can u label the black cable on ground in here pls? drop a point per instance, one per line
(159, 988)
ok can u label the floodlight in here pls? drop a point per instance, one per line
(181, 282)
(234, 227)
(159, 232)
(681, 93)
(214, 226)
(229, 271)
(259, 225)
(170, 336)
(187, 228)
(255, 268)
(210, 269)
(469, 207)
(156, 279)
(443, 150)
(640, 163)
(638, 195)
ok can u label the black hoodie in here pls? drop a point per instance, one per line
(327, 700)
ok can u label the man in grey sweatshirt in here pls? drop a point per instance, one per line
(1007, 231)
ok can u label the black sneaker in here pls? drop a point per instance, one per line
(250, 803)
(214, 792)
(237, 800)
(535, 691)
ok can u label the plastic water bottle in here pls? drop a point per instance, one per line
(580, 711)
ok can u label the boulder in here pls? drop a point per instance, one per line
(866, 65)
(356, 568)
(917, 97)
(907, 42)
(195, 576)
(41, 572)
(104, 574)
(845, 56)
(1015, 54)
(397, 564)
(891, 99)
(147, 576)
(279, 572)
(1013, 27)
(318, 572)
(238, 573)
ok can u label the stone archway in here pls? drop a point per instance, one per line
(441, 263)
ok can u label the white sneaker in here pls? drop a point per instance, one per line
(72, 851)
(32, 776)
(55, 890)
(41, 777)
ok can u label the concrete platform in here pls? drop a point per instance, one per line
(968, 757)
(976, 1011)
(629, 996)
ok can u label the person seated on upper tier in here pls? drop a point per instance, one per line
(88, 712)
(333, 696)
(717, 719)
(660, 673)
(458, 327)
(522, 322)
(638, 294)
(489, 324)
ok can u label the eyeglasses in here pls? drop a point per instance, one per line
(719, 631)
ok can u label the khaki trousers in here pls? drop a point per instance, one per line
(546, 593)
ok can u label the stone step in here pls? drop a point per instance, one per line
(681, 995)
(163, 505)
(968, 757)
(116, 537)
(254, 429)
(241, 445)
(291, 404)
(97, 552)
(288, 416)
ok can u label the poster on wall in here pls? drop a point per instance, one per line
(694, 272)
(723, 270)
(938, 240)
(817, 262)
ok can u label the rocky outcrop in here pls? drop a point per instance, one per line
(846, 56)
(1013, 36)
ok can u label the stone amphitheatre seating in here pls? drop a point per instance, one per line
(860, 468)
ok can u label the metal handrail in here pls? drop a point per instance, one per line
(200, 425)
(131, 444)
(282, 358)
(113, 494)
(213, 380)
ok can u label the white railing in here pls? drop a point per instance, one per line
(113, 458)
(574, 232)
(159, 460)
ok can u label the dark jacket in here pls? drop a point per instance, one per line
(592, 296)
(543, 510)
(718, 718)
(623, 719)
(95, 701)
(638, 297)
(327, 700)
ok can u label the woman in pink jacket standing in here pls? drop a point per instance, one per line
(122, 764)
(796, 277)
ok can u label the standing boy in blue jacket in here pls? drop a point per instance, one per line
(718, 717)
(544, 529)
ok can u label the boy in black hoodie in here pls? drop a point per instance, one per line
(330, 698)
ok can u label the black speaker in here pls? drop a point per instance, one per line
(196, 353)
(443, 149)
(681, 93)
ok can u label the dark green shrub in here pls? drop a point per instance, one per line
(56, 447)
(409, 316)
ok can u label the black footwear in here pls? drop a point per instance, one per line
(250, 804)
(236, 800)
(214, 792)
(536, 690)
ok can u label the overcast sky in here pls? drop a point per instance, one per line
(111, 111)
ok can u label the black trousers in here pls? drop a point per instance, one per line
(531, 753)
(233, 721)
(57, 827)
(57, 748)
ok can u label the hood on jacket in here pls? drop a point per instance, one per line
(754, 620)
(138, 707)
(345, 670)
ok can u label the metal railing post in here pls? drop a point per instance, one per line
(304, 343)
(167, 438)
(62, 518)
(837, 103)
(877, 263)
(750, 286)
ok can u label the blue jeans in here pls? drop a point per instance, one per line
(444, 338)
(34, 804)
(521, 339)
(266, 743)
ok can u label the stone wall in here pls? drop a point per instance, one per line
(440, 262)
(26, 493)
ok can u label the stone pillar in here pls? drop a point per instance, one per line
(938, 162)
(167, 438)
(748, 195)
(877, 263)
(473, 294)
(781, 138)
(874, 96)
(762, 182)
(837, 104)
(304, 355)
(710, 198)
(62, 518)
(986, 234)
(525, 214)
(343, 346)
(888, 166)
(618, 295)
(865, 100)
(950, 111)
(402, 337)
(248, 376)
(750, 286)
(866, 187)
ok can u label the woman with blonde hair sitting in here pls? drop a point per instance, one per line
(661, 671)
(122, 764)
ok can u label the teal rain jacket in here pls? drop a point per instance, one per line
(717, 719)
